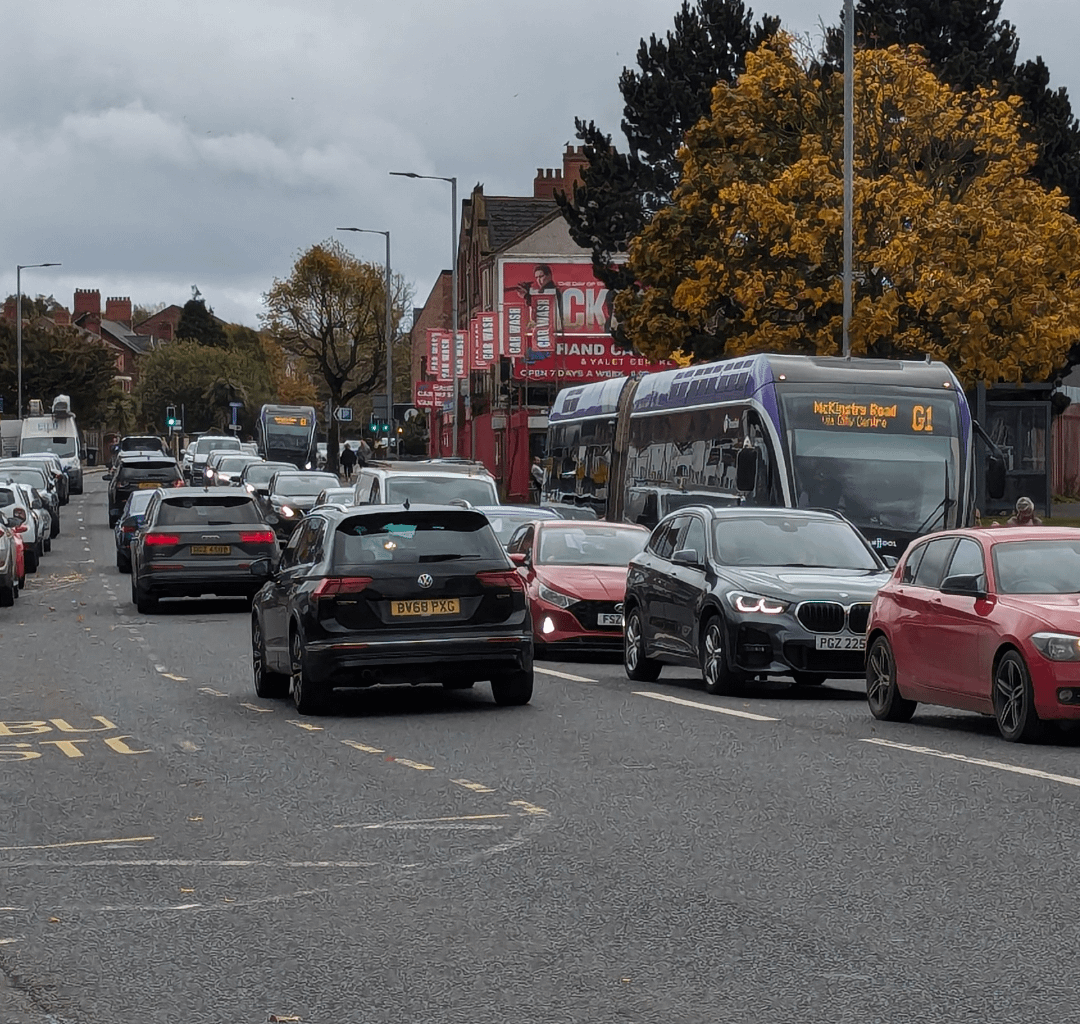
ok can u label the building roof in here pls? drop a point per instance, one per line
(511, 216)
(139, 344)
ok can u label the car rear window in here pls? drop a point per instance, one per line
(208, 444)
(260, 473)
(439, 490)
(207, 510)
(7, 496)
(166, 469)
(415, 537)
(140, 444)
(300, 485)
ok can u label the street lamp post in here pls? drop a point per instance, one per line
(389, 332)
(19, 268)
(458, 354)
(849, 165)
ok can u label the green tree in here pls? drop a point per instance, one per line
(331, 312)
(959, 253)
(621, 190)
(198, 323)
(57, 360)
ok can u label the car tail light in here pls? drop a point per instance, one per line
(338, 585)
(178, 483)
(162, 539)
(257, 537)
(129, 528)
(501, 578)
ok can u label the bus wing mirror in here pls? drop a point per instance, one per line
(746, 469)
(995, 476)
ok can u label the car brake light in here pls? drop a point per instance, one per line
(153, 539)
(334, 587)
(129, 529)
(257, 537)
(501, 578)
(178, 483)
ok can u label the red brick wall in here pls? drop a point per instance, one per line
(118, 309)
(87, 300)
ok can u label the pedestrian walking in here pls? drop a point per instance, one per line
(348, 461)
(537, 474)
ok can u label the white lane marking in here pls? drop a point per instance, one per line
(529, 808)
(255, 707)
(304, 725)
(363, 746)
(476, 787)
(1016, 769)
(81, 842)
(457, 821)
(564, 675)
(212, 692)
(7, 942)
(414, 764)
(199, 864)
(704, 707)
(175, 678)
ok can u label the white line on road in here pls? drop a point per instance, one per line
(81, 842)
(476, 787)
(564, 675)
(7, 942)
(1016, 769)
(304, 725)
(704, 707)
(457, 821)
(202, 864)
(414, 764)
(364, 747)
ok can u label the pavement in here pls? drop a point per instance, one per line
(174, 848)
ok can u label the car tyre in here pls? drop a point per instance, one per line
(513, 689)
(636, 665)
(145, 604)
(54, 529)
(123, 564)
(1014, 701)
(269, 685)
(309, 697)
(719, 678)
(809, 678)
(8, 593)
(46, 545)
(31, 559)
(882, 691)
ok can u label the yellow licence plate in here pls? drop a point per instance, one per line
(210, 549)
(429, 606)
(146, 484)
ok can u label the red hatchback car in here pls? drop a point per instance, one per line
(981, 620)
(575, 578)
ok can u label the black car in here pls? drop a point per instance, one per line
(255, 478)
(139, 472)
(289, 494)
(198, 540)
(745, 593)
(391, 594)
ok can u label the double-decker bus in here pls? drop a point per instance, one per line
(286, 433)
(886, 443)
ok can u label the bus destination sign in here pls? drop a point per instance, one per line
(903, 416)
(289, 421)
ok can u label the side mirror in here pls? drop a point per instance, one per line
(36, 503)
(262, 568)
(965, 585)
(746, 468)
(107, 477)
(687, 556)
(517, 557)
(890, 560)
(995, 476)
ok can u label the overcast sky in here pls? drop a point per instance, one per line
(150, 145)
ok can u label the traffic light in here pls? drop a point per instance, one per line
(171, 419)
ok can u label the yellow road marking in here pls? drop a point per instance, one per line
(80, 842)
(363, 746)
(474, 786)
(704, 707)
(304, 725)
(415, 764)
(529, 808)
(255, 707)
(179, 679)
(212, 692)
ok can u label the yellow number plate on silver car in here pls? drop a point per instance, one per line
(428, 606)
(210, 549)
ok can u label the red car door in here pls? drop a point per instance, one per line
(967, 632)
(920, 638)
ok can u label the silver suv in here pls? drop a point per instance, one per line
(431, 483)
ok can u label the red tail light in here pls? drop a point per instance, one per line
(163, 539)
(335, 587)
(129, 529)
(178, 483)
(257, 537)
(501, 578)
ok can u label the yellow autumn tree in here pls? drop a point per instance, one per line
(959, 255)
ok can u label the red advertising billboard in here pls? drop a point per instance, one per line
(565, 321)
(431, 395)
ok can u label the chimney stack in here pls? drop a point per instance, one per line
(119, 310)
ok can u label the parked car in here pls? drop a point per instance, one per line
(128, 524)
(139, 472)
(227, 467)
(15, 531)
(17, 503)
(435, 481)
(289, 495)
(9, 567)
(198, 541)
(56, 467)
(391, 595)
(506, 519)
(255, 478)
(40, 479)
(982, 620)
(745, 593)
(575, 579)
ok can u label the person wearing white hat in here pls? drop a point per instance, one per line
(1025, 514)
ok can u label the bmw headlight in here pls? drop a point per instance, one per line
(755, 604)
(555, 597)
(1057, 646)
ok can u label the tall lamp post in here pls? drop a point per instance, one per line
(389, 332)
(18, 323)
(458, 355)
(849, 164)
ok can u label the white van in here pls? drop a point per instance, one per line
(57, 433)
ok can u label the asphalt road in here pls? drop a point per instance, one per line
(173, 849)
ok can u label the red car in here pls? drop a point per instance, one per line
(981, 620)
(575, 578)
(11, 537)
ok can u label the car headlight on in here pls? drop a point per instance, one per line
(1057, 646)
(555, 597)
(755, 604)
(288, 512)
